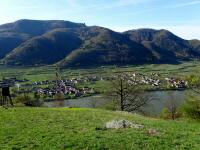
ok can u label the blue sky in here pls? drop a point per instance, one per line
(179, 16)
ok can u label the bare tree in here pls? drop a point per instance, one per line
(172, 106)
(130, 98)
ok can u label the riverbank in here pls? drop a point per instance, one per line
(153, 107)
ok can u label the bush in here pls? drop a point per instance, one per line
(112, 106)
(27, 100)
(23, 98)
(167, 114)
(191, 108)
(59, 100)
(59, 96)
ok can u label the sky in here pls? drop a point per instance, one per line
(181, 17)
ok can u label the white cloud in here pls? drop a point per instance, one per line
(185, 4)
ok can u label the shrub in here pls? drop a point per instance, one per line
(191, 108)
(59, 96)
(59, 100)
(27, 100)
(168, 114)
(165, 114)
(23, 98)
(111, 105)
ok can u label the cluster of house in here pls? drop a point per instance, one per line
(69, 82)
(66, 87)
(154, 80)
(69, 86)
(141, 79)
(177, 83)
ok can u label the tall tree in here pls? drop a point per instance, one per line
(129, 97)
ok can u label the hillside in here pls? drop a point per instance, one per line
(164, 44)
(46, 49)
(16, 33)
(81, 47)
(43, 128)
(107, 48)
(195, 44)
(68, 44)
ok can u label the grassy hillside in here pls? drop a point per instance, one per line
(42, 128)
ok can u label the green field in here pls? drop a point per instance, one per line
(64, 128)
(48, 72)
(43, 128)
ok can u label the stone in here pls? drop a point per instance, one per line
(121, 124)
(153, 132)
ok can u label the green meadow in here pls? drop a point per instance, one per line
(48, 72)
(79, 128)
(65, 128)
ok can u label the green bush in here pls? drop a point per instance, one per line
(26, 100)
(167, 114)
(59, 96)
(191, 108)
(23, 98)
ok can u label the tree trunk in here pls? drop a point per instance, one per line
(121, 95)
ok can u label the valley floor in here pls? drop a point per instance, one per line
(75, 128)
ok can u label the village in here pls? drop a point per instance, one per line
(65, 87)
(155, 80)
(70, 88)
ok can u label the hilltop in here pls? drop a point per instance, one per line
(68, 44)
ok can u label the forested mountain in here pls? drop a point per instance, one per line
(34, 42)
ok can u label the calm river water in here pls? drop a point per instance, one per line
(153, 108)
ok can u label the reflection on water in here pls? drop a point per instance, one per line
(160, 100)
(154, 107)
(85, 102)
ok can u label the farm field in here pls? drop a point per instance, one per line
(48, 72)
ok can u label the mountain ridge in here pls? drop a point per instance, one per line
(64, 43)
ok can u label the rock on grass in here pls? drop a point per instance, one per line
(121, 124)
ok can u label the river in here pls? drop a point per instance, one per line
(153, 108)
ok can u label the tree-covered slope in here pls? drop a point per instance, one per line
(106, 47)
(14, 34)
(164, 43)
(46, 49)
(35, 42)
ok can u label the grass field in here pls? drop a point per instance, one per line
(43, 128)
(48, 72)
